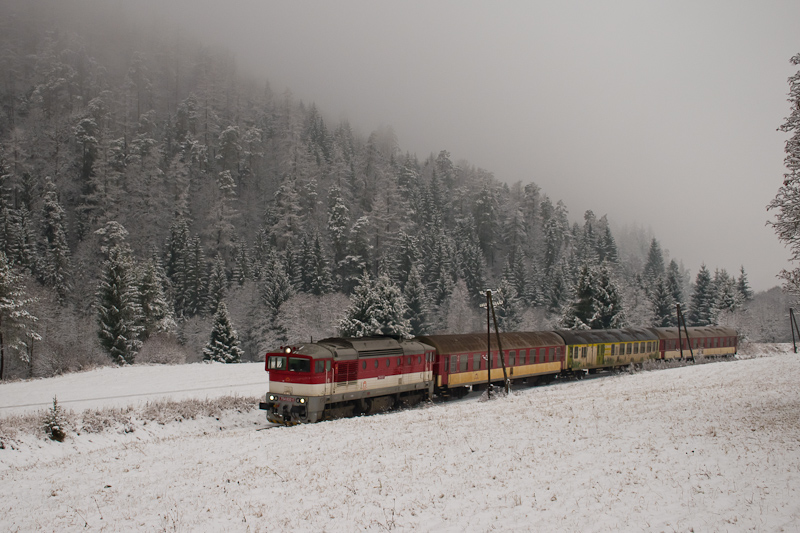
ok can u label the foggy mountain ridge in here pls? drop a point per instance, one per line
(145, 163)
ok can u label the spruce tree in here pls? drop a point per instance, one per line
(674, 282)
(580, 312)
(377, 307)
(702, 310)
(417, 303)
(743, 286)
(223, 346)
(654, 267)
(609, 312)
(54, 265)
(157, 314)
(16, 322)
(663, 304)
(118, 311)
(217, 284)
(321, 282)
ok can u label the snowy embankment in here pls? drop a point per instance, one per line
(709, 447)
(121, 387)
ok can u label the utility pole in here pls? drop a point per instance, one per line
(681, 320)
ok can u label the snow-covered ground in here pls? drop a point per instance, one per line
(711, 447)
(116, 387)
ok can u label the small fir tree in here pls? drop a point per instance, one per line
(223, 346)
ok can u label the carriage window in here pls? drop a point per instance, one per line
(364, 365)
(297, 364)
(319, 367)
(550, 353)
(453, 363)
(419, 359)
(463, 360)
(328, 365)
(388, 363)
(476, 361)
(277, 362)
(376, 363)
(408, 361)
(512, 358)
(399, 361)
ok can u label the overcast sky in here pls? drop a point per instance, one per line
(658, 114)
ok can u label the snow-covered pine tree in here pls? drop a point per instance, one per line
(743, 286)
(119, 314)
(654, 266)
(223, 346)
(417, 303)
(726, 294)
(508, 306)
(376, 308)
(217, 284)
(609, 311)
(674, 283)
(241, 264)
(321, 282)
(702, 310)
(276, 289)
(663, 304)
(54, 263)
(157, 314)
(579, 312)
(15, 320)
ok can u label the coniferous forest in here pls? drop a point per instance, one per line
(157, 205)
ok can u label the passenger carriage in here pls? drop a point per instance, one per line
(462, 361)
(597, 349)
(708, 341)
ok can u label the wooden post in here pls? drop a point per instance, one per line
(688, 341)
(500, 348)
(488, 346)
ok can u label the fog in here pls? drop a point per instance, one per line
(661, 115)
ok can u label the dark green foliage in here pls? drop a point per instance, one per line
(701, 312)
(118, 311)
(55, 422)
(223, 346)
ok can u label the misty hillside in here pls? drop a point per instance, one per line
(144, 181)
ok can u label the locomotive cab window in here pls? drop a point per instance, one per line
(319, 367)
(297, 364)
(277, 362)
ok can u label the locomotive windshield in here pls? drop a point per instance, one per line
(297, 364)
(277, 362)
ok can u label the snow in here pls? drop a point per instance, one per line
(711, 447)
(131, 385)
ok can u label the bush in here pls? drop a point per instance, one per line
(162, 349)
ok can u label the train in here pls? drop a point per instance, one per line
(341, 377)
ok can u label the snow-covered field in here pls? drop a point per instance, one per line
(711, 447)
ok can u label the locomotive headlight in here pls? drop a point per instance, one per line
(302, 400)
(272, 397)
(287, 349)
